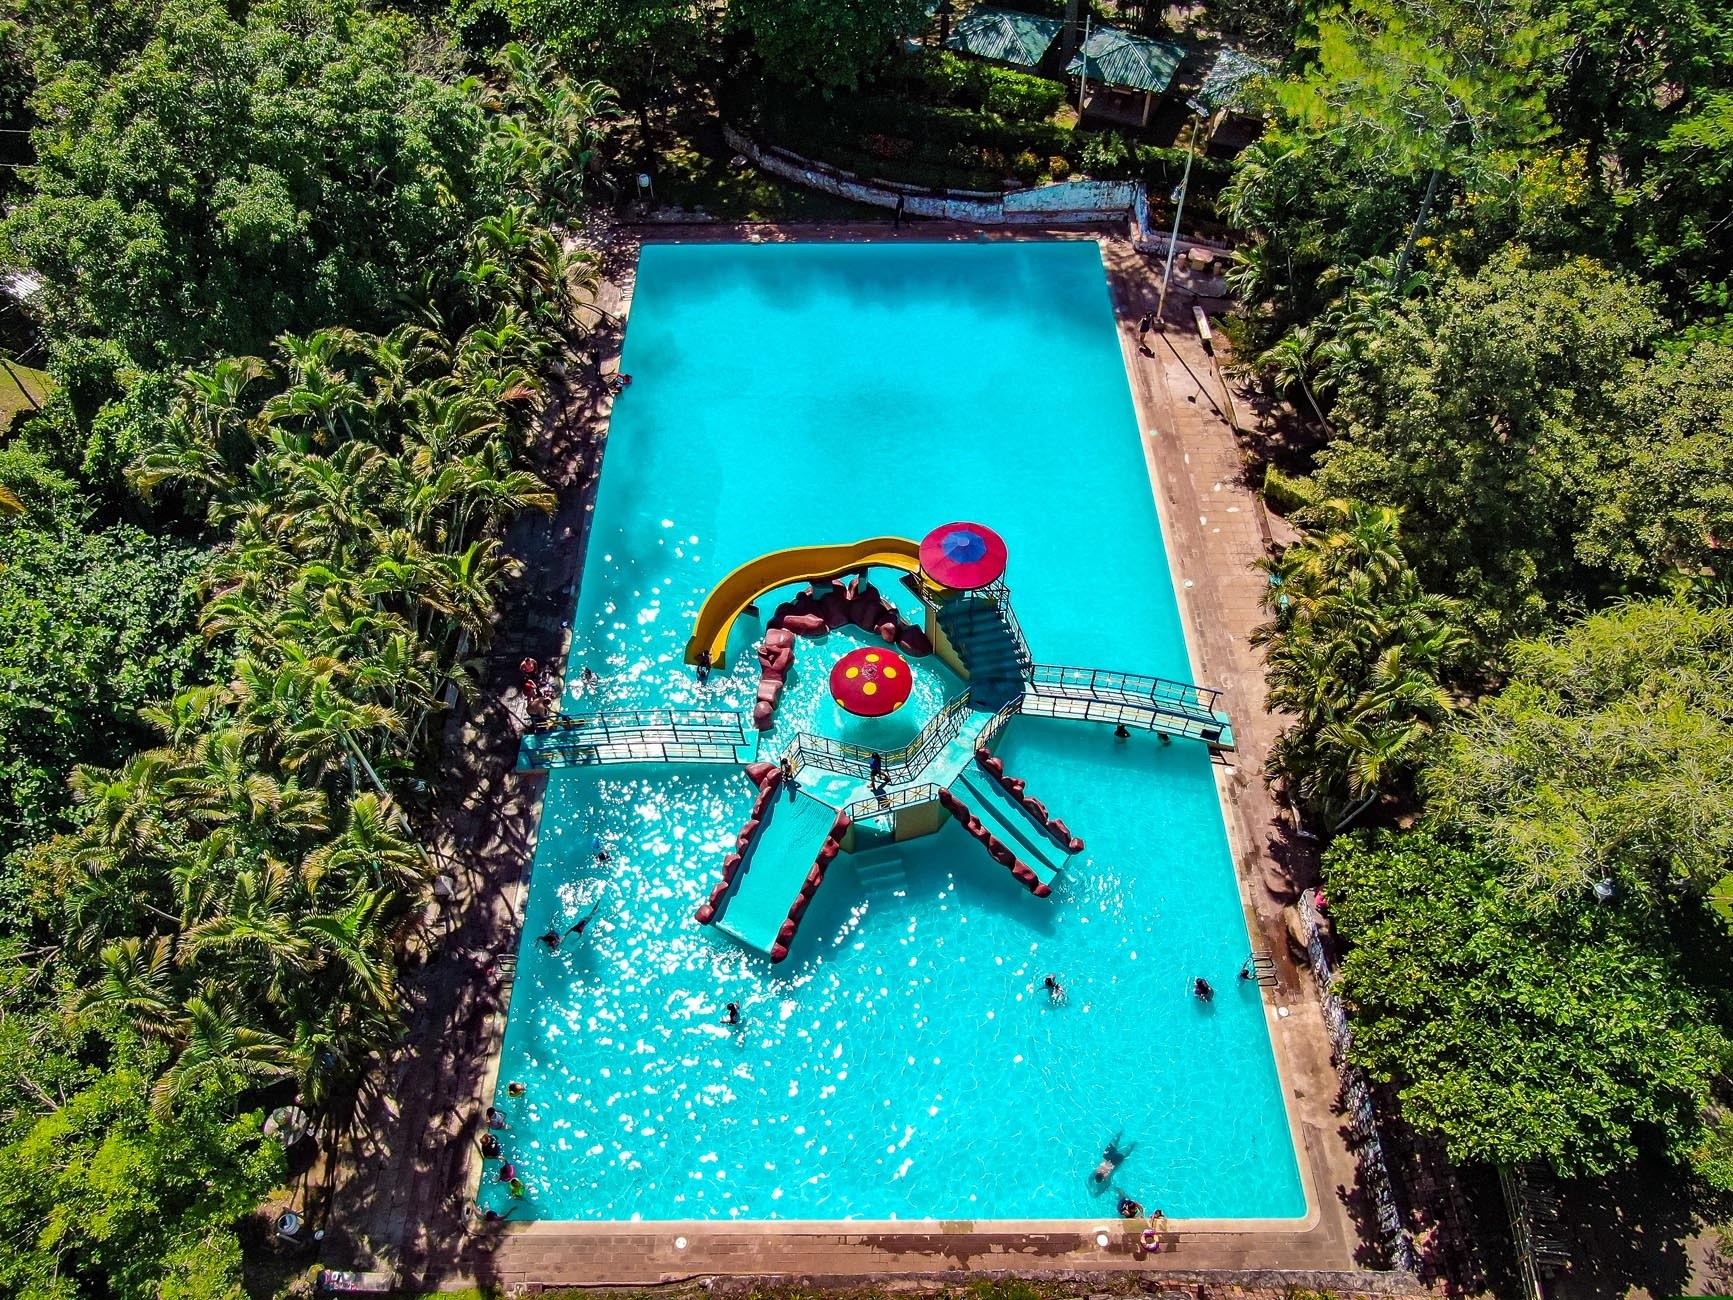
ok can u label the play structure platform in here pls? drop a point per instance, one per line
(751, 580)
(851, 798)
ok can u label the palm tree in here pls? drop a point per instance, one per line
(214, 1045)
(373, 848)
(1356, 655)
(208, 438)
(1290, 361)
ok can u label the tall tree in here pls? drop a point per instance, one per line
(1427, 90)
(828, 42)
(1357, 655)
(1514, 1034)
(1485, 414)
(1608, 755)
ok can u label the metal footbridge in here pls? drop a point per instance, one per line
(640, 736)
(1129, 700)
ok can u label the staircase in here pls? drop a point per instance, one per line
(991, 647)
(881, 871)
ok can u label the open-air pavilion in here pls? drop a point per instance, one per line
(1121, 65)
(1005, 36)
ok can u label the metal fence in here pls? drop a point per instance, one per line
(876, 806)
(896, 765)
(1357, 1100)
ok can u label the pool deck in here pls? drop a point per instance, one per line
(401, 1188)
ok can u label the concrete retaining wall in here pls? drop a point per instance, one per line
(1063, 203)
(1145, 238)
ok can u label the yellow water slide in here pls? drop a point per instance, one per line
(778, 569)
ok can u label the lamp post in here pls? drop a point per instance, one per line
(1197, 111)
(943, 12)
(1083, 66)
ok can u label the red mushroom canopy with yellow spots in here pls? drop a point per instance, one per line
(870, 682)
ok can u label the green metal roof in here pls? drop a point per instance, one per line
(1120, 59)
(1225, 83)
(1004, 35)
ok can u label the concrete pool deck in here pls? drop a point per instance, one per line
(398, 1202)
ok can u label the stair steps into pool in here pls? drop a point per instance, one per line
(1263, 967)
(1010, 821)
(774, 870)
(985, 635)
(881, 871)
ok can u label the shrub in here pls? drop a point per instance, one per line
(1106, 154)
(1059, 167)
(1019, 97)
(1028, 166)
(1285, 493)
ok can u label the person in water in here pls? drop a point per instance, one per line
(1129, 1209)
(1200, 986)
(731, 1014)
(1246, 970)
(1111, 1159)
(493, 1117)
(1055, 991)
(552, 939)
(515, 1089)
(703, 666)
(1120, 733)
(489, 1146)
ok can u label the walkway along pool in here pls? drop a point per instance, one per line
(905, 1061)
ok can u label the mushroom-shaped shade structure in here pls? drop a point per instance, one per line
(871, 682)
(963, 556)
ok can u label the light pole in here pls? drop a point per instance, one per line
(1197, 111)
(1083, 67)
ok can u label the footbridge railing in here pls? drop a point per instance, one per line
(883, 805)
(896, 765)
(1128, 699)
(637, 736)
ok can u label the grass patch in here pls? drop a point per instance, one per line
(12, 386)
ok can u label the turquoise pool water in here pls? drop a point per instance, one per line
(905, 1062)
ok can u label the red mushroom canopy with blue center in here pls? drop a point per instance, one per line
(963, 556)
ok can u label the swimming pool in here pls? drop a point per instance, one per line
(905, 1061)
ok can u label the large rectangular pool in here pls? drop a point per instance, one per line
(905, 1062)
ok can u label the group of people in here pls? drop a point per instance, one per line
(598, 850)
(1129, 1208)
(540, 685)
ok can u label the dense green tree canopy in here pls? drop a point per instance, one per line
(1491, 414)
(239, 177)
(1513, 1033)
(830, 42)
(1608, 755)
(95, 623)
(100, 1197)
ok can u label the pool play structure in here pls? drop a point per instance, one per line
(821, 920)
(781, 854)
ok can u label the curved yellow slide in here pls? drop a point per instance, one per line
(779, 568)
